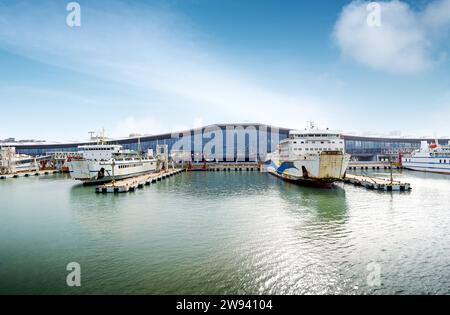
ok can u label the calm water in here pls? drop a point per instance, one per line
(225, 233)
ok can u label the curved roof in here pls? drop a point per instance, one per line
(170, 135)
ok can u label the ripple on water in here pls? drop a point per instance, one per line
(230, 233)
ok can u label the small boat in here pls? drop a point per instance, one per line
(12, 163)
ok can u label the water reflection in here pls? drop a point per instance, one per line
(326, 204)
(221, 233)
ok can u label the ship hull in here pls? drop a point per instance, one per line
(311, 170)
(305, 182)
(438, 165)
(427, 169)
(93, 172)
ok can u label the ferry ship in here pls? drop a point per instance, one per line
(104, 163)
(12, 163)
(432, 158)
(312, 156)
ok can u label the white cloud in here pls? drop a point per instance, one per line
(405, 42)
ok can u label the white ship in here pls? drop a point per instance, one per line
(314, 157)
(12, 163)
(105, 163)
(432, 158)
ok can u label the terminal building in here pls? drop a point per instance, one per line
(234, 142)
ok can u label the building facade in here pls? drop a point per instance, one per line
(234, 142)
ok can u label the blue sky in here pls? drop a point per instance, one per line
(158, 66)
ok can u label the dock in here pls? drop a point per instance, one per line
(371, 166)
(138, 182)
(222, 167)
(29, 174)
(376, 183)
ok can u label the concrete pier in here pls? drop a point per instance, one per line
(29, 174)
(371, 166)
(134, 183)
(223, 167)
(376, 183)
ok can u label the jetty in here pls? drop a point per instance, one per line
(29, 174)
(138, 182)
(372, 166)
(221, 167)
(376, 183)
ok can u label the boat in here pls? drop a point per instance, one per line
(7, 160)
(13, 163)
(311, 157)
(433, 158)
(101, 163)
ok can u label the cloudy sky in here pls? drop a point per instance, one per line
(167, 65)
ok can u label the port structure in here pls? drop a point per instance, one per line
(370, 182)
(138, 182)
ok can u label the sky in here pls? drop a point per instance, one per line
(150, 67)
